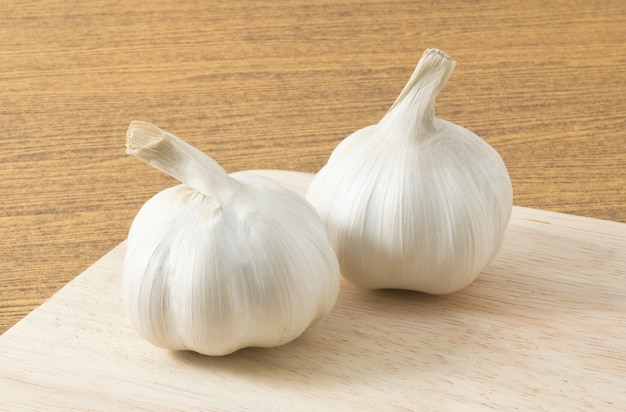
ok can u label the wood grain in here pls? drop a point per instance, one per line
(542, 328)
(270, 84)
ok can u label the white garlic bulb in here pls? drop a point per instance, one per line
(222, 262)
(414, 202)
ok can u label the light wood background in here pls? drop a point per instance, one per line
(270, 84)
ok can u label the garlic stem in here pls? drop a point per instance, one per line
(177, 158)
(419, 94)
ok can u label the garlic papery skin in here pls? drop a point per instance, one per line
(222, 262)
(414, 202)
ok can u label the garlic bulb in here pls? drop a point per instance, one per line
(222, 262)
(414, 202)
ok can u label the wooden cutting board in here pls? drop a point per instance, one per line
(542, 328)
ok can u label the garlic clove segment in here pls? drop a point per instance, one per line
(222, 262)
(414, 202)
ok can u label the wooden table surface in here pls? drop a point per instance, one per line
(276, 85)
